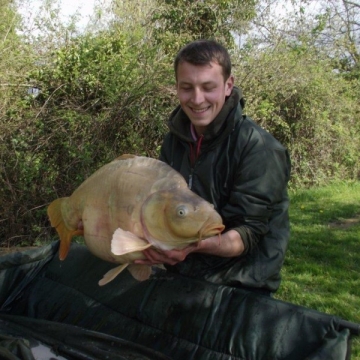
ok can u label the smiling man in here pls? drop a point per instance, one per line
(202, 92)
(233, 163)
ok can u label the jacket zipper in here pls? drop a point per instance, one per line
(194, 157)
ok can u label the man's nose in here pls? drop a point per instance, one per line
(198, 96)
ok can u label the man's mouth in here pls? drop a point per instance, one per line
(199, 111)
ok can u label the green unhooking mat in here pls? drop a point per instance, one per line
(58, 307)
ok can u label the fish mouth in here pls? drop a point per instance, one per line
(210, 230)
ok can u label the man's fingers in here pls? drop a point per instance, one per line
(170, 257)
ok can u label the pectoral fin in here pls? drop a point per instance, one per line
(57, 221)
(124, 242)
(140, 272)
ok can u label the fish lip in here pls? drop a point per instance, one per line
(211, 231)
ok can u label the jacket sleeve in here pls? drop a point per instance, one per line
(259, 189)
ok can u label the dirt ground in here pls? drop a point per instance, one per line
(345, 223)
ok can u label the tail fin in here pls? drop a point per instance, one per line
(57, 221)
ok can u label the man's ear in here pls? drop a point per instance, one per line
(229, 84)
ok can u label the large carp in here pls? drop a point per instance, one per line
(129, 205)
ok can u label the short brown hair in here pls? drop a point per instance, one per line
(202, 52)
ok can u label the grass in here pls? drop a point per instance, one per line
(322, 266)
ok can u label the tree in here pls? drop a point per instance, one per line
(330, 26)
(179, 21)
(342, 33)
(296, 89)
(9, 44)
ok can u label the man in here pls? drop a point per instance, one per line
(233, 163)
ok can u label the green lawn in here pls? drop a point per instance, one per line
(322, 266)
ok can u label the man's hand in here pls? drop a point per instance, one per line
(229, 245)
(170, 257)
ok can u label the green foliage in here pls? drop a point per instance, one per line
(12, 52)
(180, 21)
(295, 94)
(87, 72)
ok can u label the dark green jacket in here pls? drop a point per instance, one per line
(243, 171)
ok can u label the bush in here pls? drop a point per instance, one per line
(99, 97)
(311, 109)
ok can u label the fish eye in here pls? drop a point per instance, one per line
(181, 211)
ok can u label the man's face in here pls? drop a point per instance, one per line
(202, 91)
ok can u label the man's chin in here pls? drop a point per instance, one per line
(200, 123)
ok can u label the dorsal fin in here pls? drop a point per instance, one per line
(126, 156)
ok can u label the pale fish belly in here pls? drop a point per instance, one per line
(99, 245)
(98, 234)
